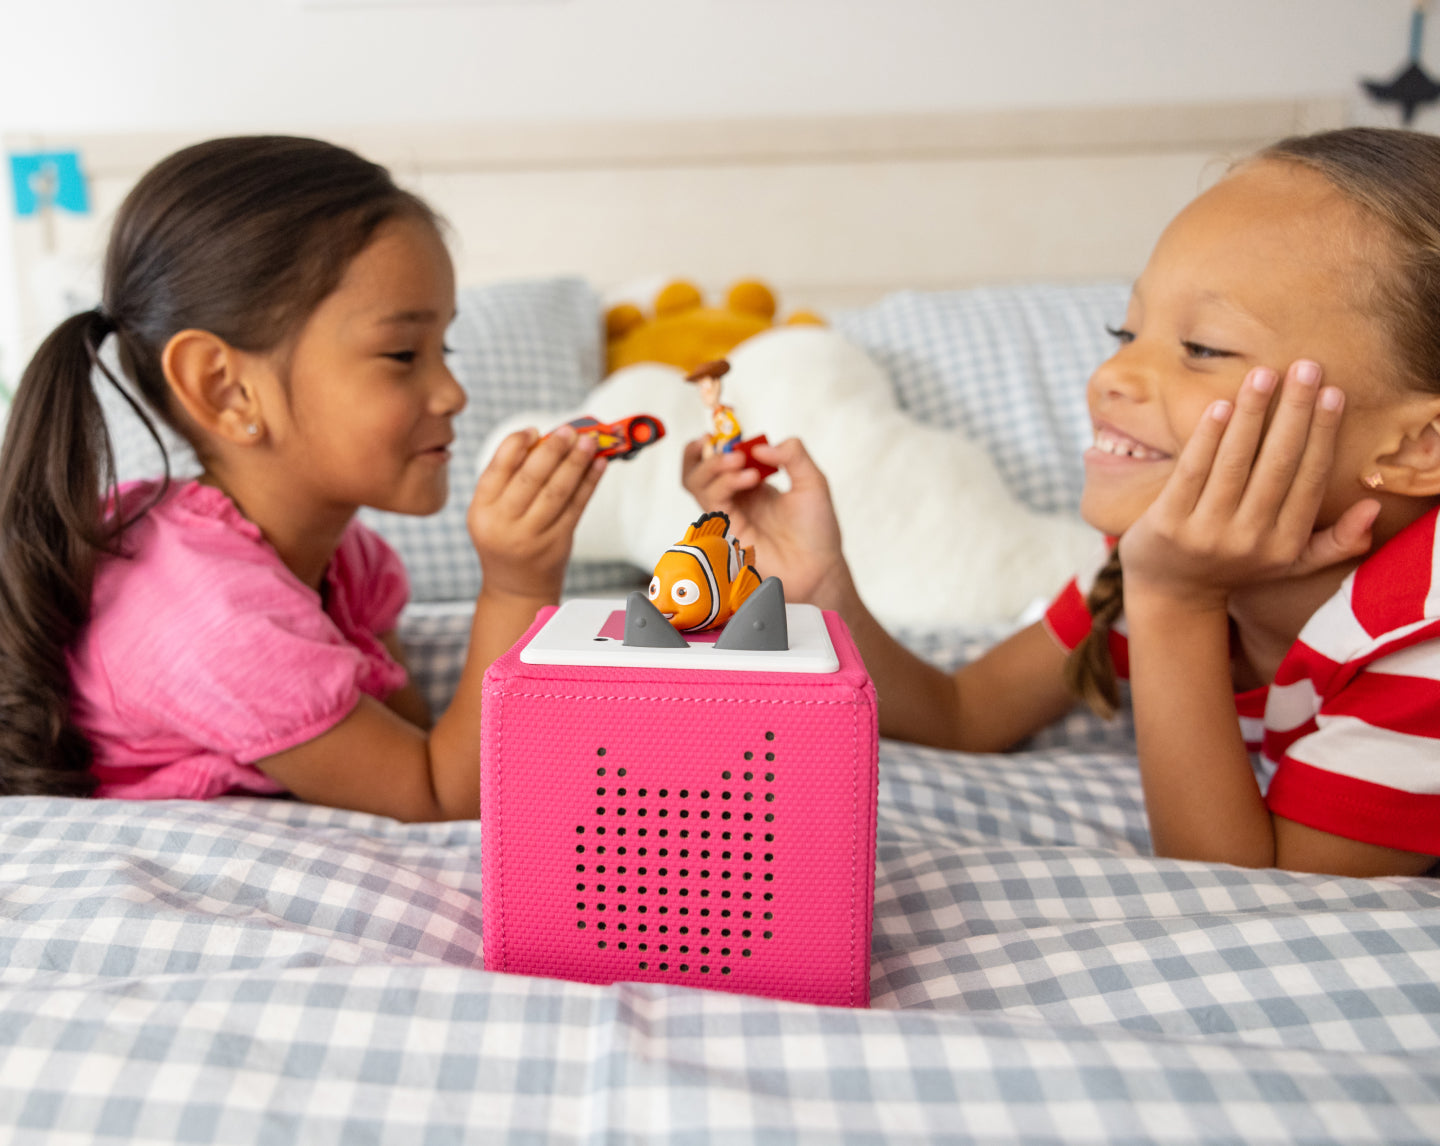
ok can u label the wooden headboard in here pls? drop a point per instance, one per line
(831, 211)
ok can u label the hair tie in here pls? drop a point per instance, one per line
(104, 320)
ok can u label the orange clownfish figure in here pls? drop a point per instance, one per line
(702, 580)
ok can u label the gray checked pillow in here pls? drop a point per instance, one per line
(1005, 365)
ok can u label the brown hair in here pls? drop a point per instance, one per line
(1089, 669)
(242, 237)
(1394, 177)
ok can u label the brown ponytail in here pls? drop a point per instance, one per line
(242, 237)
(50, 470)
(1089, 670)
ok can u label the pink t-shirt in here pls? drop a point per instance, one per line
(204, 653)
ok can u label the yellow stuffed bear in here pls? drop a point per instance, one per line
(684, 332)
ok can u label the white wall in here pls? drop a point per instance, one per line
(236, 63)
(305, 64)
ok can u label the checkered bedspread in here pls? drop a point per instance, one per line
(268, 972)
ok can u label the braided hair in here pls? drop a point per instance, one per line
(1089, 669)
(1393, 176)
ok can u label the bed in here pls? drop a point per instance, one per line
(266, 971)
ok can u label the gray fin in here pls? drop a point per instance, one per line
(646, 626)
(759, 624)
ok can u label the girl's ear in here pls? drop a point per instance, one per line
(1412, 468)
(209, 378)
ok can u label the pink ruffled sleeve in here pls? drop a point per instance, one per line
(205, 654)
(368, 589)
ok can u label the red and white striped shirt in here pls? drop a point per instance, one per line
(1348, 734)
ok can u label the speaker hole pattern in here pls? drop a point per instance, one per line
(706, 854)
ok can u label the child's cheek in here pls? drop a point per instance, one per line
(1112, 506)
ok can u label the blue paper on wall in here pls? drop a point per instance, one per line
(49, 179)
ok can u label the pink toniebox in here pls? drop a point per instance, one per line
(691, 815)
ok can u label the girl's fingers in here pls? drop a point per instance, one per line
(791, 456)
(690, 459)
(570, 513)
(1181, 492)
(1306, 491)
(1268, 477)
(709, 477)
(694, 457)
(509, 456)
(554, 495)
(532, 475)
(1348, 537)
(721, 492)
(1289, 442)
(1234, 458)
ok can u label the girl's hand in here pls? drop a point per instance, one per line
(795, 534)
(526, 505)
(1241, 503)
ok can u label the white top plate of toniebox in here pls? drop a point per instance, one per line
(591, 631)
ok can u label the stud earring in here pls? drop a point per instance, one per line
(1373, 481)
(252, 429)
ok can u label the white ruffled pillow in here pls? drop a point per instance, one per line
(932, 532)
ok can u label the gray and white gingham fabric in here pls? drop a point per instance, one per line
(253, 971)
(1006, 365)
(269, 972)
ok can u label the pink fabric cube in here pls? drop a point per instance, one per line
(704, 828)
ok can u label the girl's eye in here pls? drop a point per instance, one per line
(1200, 350)
(1120, 335)
(409, 356)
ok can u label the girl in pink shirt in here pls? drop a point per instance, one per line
(281, 304)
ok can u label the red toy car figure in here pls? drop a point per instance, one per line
(620, 439)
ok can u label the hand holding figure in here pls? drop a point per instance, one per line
(526, 505)
(796, 534)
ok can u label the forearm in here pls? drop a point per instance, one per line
(1200, 791)
(454, 746)
(1012, 691)
(377, 761)
(406, 701)
(917, 701)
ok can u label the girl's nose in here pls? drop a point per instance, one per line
(448, 397)
(1120, 376)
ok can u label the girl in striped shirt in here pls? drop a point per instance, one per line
(1266, 470)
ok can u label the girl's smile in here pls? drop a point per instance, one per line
(368, 412)
(1113, 446)
(1269, 266)
(439, 454)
